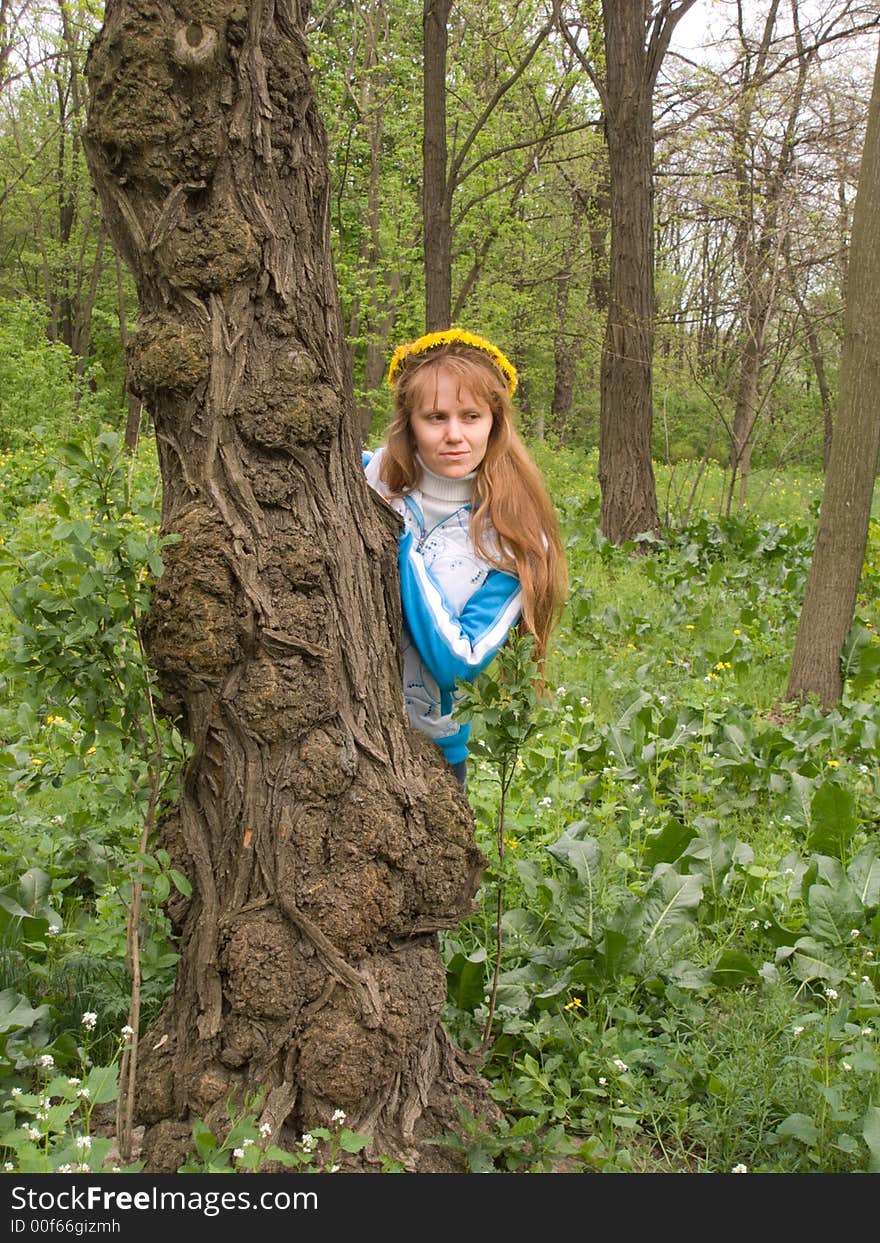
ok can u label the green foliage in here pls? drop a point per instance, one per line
(79, 748)
(36, 376)
(51, 1123)
(246, 1146)
(686, 871)
(690, 872)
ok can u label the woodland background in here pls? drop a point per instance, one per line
(686, 867)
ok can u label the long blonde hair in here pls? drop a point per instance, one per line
(510, 499)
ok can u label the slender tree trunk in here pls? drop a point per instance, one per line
(325, 841)
(626, 473)
(600, 212)
(372, 110)
(829, 603)
(436, 196)
(567, 346)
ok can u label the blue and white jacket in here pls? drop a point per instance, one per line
(457, 610)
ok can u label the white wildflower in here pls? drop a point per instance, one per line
(560, 690)
(309, 1142)
(84, 1094)
(238, 1153)
(16, 1092)
(83, 1143)
(338, 1116)
(831, 994)
(46, 1060)
(740, 1169)
(8, 1167)
(89, 1019)
(265, 1129)
(797, 1031)
(846, 1065)
(602, 1080)
(334, 1169)
(620, 1064)
(127, 1032)
(854, 932)
(74, 1082)
(32, 1132)
(246, 1143)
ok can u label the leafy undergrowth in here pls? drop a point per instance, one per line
(689, 867)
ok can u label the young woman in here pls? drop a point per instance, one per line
(480, 551)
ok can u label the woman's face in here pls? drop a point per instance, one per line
(450, 425)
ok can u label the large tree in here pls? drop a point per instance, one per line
(325, 841)
(830, 599)
(636, 37)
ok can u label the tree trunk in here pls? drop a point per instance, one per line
(626, 473)
(567, 346)
(829, 603)
(325, 841)
(436, 197)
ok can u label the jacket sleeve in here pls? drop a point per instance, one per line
(455, 645)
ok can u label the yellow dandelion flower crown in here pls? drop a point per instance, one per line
(450, 336)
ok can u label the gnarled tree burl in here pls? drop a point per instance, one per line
(325, 841)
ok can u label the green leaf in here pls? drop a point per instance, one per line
(71, 452)
(811, 960)
(833, 913)
(799, 1126)
(864, 872)
(668, 897)
(17, 1013)
(205, 1139)
(799, 804)
(833, 819)
(351, 1141)
(466, 979)
(180, 882)
(103, 1084)
(871, 1136)
(860, 661)
(709, 856)
(733, 967)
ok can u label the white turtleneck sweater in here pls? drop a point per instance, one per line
(441, 497)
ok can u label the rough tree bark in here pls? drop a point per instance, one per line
(326, 842)
(829, 602)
